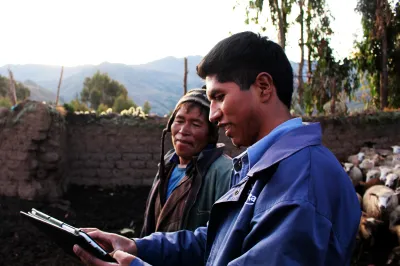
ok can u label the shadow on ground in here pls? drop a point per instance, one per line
(110, 210)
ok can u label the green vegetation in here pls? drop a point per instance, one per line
(21, 91)
(377, 58)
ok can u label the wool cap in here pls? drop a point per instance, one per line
(195, 95)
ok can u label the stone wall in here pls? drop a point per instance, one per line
(32, 152)
(42, 152)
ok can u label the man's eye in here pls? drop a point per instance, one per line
(219, 97)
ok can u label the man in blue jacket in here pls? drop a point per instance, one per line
(290, 202)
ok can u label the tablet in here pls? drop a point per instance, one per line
(65, 235)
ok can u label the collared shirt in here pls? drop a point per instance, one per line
(246, 160)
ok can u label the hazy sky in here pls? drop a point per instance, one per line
(75, 32)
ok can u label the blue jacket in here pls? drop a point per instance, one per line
(296, 206)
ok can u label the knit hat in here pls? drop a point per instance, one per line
(195, 95)
(198, 96)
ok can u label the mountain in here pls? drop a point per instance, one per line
(39, 93)
(160, 82)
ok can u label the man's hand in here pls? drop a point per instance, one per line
(111, 242)
(120, 247)
(122, 258)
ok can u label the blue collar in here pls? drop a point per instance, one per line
(175, 157)
(253, 153)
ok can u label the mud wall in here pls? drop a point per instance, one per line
(41, 151)
(115, 151)
(32, 152)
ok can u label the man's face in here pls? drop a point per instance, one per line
(189, 131)
(234, 110)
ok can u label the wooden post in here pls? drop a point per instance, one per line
(185, 77)
(13, 93)
(59, 85)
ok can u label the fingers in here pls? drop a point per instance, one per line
(123, 258)
(102, 238)
(88, 229)
(86, 258)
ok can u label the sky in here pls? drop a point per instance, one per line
(77, 32)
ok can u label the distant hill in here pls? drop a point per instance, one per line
(39, 93)
(160, 82)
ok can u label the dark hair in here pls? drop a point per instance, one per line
(242, 56)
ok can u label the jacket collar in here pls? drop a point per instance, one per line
(203, 160)
(308, 135)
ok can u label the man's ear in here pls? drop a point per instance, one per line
(264, 86)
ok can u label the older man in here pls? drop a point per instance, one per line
(193, 175)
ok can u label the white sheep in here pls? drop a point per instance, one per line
(391, 180)
(356, 159)
(396, 159)
(396, 149)
(384, 172)
(371, 174)
(379, 201)
(367, 164)
(354, 173)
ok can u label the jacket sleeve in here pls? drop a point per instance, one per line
(301, 237)
(138, 262)
(177, 248)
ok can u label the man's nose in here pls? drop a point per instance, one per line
(215, 113)
(185, 129)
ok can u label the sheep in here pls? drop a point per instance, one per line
(366, 231)
(369, 152)
(364, 186)
(356, 159)
(354, 173)
(379, 201)
(392, 180)
(384, 172)
(396, 159)
(367, 225)
(384, 153)
(394, 227)
(373, 173)
(396, 149)
(394, 218)
(366, 165)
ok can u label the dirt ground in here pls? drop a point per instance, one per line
(111, 210)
